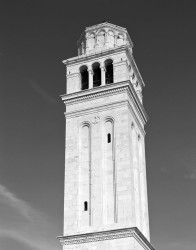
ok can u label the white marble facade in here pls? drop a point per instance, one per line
(105, 196)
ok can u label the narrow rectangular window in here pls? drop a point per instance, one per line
(85, 206)
(109, 138)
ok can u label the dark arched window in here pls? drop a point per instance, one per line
(96, 74)
(84, 77)
(109, 78)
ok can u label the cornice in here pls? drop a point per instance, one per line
(92, 93)
(104, 91)
(104, 107)
(81, 58)
(105, 24)
(98, 108)
(107, 235)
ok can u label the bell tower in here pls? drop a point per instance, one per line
(105, 196)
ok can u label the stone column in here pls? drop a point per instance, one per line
(90, 77)
(102, 67)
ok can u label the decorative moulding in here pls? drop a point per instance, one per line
(89, 57)
(109, 106)
(95, 120)
(104, 91)
(107, 235)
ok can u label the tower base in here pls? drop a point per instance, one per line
(119, 239)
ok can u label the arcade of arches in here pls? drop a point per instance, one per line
(97, 75)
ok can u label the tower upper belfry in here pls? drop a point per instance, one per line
(104, 56)
(101, 37)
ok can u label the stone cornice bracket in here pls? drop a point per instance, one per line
(107, 235)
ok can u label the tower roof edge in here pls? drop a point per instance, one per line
(96, 26)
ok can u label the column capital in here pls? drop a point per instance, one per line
(90, 70)
(102, 68)
(90, 73)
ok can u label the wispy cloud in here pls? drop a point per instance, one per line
(20, 222)
(191, 175)
(177, 245)
(42, 92)
(164, 170)
(14, 235)
(21, 206)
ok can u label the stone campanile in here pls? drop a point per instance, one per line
(105, 196)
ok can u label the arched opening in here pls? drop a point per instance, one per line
(85, 174)
(91, 41)
(109, 172)
(101, 38)
(111, 38)
(96, 74)
(109, 75)
(120, 39)
(84, 77)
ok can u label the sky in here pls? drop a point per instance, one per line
(35, 36)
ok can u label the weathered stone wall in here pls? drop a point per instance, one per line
(116, 191)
